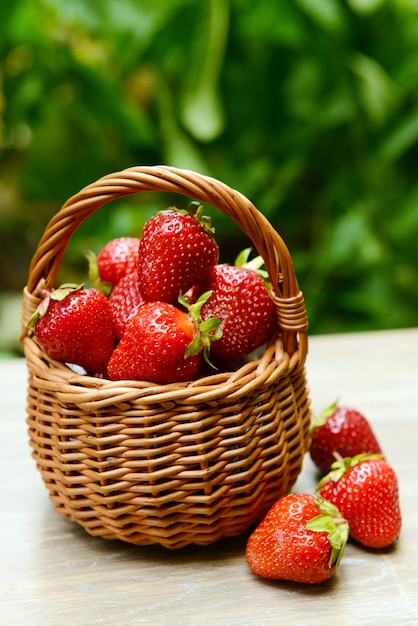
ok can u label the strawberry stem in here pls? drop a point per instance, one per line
(196, 209)
(94, 277)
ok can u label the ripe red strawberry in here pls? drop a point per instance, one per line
(162, 344)
(302, 538)
(365, 489)
(176, 251)
(73, 325)
(124, 301)
(241, 299)
(340, 432)
(117, 258)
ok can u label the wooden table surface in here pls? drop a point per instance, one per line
(54, 573)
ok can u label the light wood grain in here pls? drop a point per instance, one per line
(53, 573)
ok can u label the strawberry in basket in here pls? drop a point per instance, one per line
(124, 301)
(116, 259)
(241, 299)
(163, 344)
(73, 325)
(176, 252)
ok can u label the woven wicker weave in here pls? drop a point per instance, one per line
(175, 464)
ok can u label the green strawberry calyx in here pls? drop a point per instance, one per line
(330, 521)
(56, 295)
(196, 210)
(206, 331)
(256, 264)
(94, 277)
(342, 465)
(322, 418)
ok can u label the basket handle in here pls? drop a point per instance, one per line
(288, 298)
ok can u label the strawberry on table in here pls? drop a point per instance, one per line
(241, 299)
(124, 301)
(365, 489)
(302, 539)
(340, 431)
(73, 325)
(163, 344)
(177, 251)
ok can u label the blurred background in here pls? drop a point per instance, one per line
(309, 107)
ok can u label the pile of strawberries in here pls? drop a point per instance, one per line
(161, 307)
(303, 536)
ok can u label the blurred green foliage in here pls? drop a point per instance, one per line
(310, 108)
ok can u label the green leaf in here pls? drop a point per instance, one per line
(272, 23)
(178, 149)
(377, 92)
(365, 7)
(353, 241)
(326, 13)
(402, 138)
(202, 109)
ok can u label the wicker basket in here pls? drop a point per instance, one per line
(175, 464)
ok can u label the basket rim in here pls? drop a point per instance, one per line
(93, 394)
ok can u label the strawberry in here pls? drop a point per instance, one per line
(73, 324)
(365, 489)
(302, 539)
(340, 431)
(241, 299)
(177, 250)
(124, 301)
(162, 344)
(117, 258)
